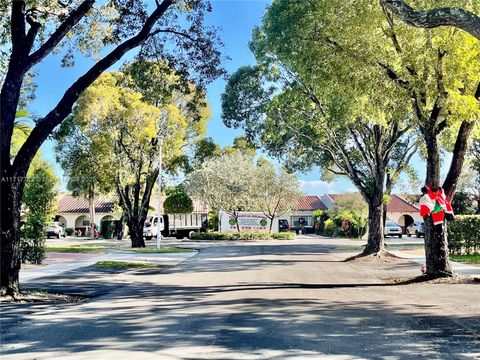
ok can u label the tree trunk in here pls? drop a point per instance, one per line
(91, 205)
(271, 225)
(10, 199)
(436, 250)
(119, 225)
(375, 242)
(436, 240)
(136, 233)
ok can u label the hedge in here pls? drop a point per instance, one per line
(243, 236)
(464, 234)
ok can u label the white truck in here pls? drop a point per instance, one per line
(178, 225)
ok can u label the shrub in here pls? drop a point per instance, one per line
(107, 229)
(329, 228)
(32, 250)
(463, 234)
(178, 202)
(39, 198)
(69, 231)
(242, 236)
(283, 236)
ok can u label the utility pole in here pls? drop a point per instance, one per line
(159, 205)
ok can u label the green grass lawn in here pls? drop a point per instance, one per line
(153, 250)
(350, 248)
(468, 259)
(127, 265)
(405, 246)
(77, 249)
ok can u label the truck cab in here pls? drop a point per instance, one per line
(150, 228)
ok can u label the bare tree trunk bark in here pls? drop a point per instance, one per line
(10, 202)
(136, 233)
(436, 240)
(375, 242)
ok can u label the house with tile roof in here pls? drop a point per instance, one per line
(399, 210)
(73, 211)
(303, 212)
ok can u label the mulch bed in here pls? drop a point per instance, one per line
(383, 257)
(423, 279)
(42, 297)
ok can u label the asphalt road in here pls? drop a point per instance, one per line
(278, 300)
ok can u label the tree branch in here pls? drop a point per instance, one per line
(459, 151)
(447, 16)
(57, 36)
(45, 126)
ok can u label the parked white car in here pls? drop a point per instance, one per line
(55, 229)
(392, 229)
(417, 228)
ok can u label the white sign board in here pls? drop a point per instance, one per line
(247, 221)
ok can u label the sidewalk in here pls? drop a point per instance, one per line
(418, 255)
(82, 260)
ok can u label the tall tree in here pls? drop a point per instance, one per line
(171, 30)
(439, 70)
(434, 70)
(127, 129)
(313, 100)
(277, 192)
(226, 183)
(81, 150)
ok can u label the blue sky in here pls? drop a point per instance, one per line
(236, 19)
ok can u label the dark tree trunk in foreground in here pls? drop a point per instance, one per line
(10, 235)
(21, 61)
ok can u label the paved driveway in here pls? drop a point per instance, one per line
(276, 300)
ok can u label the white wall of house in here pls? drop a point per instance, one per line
(295, 215)
(79, 220)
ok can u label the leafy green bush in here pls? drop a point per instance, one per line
(39, 198)
(107, 229)
(69, 231)
(178, 202)
(464, 234)
(242, 236)
(213, 220)
(346, 223)
(283, 236)
(32, 250)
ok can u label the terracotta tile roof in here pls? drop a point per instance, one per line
(73, 204)
(396, 204)
(310, 203)
(399, 204)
